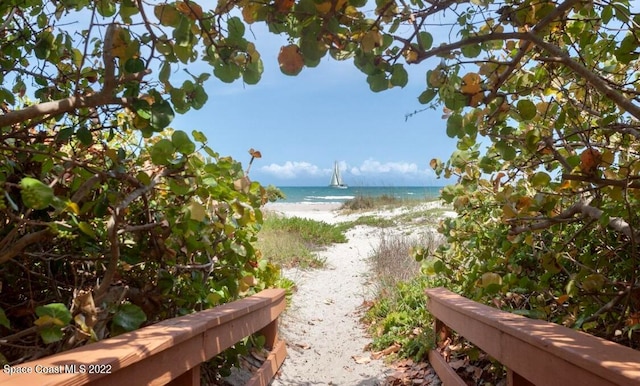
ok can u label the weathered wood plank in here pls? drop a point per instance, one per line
(270, 367)
(447, 375)
(543, 353)
(159, 353)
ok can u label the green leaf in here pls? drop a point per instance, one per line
(4, 321)
(253, 72)
(87, 229)
(129, 317)
(35, 194)
(167, 14)
(378, 82)
(84, 135)
(455, 101)
(182, 142)
(227, 72)
(179, 188)
(527, 109)
(471, 51)
(106, 8)
(161, 115)
(425, 40)
(199, 136)
(399, 77)
(52, 318)
(162, 152)
(540, 180)
(134, 65)
(200, 97)
(165, 72)
(235, 27)
(427, 96)
(454, 125)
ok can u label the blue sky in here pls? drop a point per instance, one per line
(302, 124)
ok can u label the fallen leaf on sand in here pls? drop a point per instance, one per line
(457, 364)
(303, 346)
(361, 360)
(389, 350)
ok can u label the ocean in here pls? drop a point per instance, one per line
(325, 194)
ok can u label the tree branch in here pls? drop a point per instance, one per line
(597, 82)
(112, 232)
(580, 207)
(104, 97)
(603, 181)
(23, 242)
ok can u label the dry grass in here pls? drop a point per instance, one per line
(392, 259)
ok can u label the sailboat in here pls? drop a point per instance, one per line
(336, 179)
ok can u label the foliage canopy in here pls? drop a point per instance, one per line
(101, 197)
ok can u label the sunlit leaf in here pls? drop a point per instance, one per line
(182, 142)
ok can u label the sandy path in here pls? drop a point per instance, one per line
(322, 329)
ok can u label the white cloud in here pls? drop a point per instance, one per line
(293, 170)
(371, 166)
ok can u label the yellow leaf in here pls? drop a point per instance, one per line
(119, 44)
(471, 84)
(410, 55)
(112, 154)
(48, 319)
(192, 10)
(371, 40)
(86, 229)
(197, 211)
(249, 12)
(325, 7)
(250, 280)
(72, 206)
(489, 278)
(508, 212)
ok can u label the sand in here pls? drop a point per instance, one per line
(325, 340)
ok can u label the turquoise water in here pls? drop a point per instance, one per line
(320, 194)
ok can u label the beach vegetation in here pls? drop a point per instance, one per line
(315, 233)
(100, 195)
(398, 318)
(385, 201)
(294, 242)
(368, 220)
(285, 246)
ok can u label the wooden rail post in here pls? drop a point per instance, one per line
(535, 352)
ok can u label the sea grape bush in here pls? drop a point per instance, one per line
(110, 213)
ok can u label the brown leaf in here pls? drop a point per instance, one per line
(290, 60)
(255, 153)
(361, 359)
(457, 364)
(284, 6)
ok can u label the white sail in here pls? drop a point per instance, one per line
(336, 179)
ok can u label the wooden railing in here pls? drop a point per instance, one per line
(535, 352)
(169, 352)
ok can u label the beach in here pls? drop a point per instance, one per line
(326, 341)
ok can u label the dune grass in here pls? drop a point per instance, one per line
(364, 203)
(292, 242)
(399, 314)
